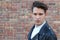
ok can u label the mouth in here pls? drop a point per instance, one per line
(37, 21)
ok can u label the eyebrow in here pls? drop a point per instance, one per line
(38, 13)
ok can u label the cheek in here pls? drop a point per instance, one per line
(43, 17)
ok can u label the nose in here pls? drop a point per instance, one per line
(37, 16)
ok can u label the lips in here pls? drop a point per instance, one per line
(37, 20)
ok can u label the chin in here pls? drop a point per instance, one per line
(38, 23)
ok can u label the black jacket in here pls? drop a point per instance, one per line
(46, 33)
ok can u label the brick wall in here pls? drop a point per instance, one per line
(16, 20)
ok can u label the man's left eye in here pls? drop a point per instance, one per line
(40, 14)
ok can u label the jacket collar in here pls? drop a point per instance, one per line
(40, 32)
(43, 28)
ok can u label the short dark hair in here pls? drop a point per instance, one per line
(40, 5)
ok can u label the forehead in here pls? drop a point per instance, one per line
(38, 10)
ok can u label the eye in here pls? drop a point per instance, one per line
(35, 13)
(40, 13)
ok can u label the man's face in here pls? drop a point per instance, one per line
(38, 15)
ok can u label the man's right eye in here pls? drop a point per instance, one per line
(35, 13)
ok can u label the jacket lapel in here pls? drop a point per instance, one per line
(41, 32)
(29, 35)
(43, 28)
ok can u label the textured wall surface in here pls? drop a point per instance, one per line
(16, 20)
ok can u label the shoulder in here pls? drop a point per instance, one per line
(48, 29)
(50, 34)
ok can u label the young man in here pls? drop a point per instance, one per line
(41, 30)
